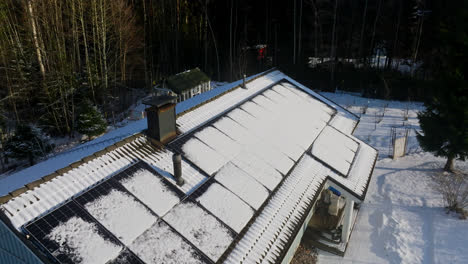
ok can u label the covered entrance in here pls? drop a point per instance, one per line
(332, 220)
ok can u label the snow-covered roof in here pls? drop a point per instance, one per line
(186, 80)
(253, 161)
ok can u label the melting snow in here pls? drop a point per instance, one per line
(336, 149)
(150, 189)
(201, 228)
(160, 244)
(242, 184)
(204, 156)
(121, 214)
(81, 240)
(226, 206)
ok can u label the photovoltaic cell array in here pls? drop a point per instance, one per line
(67, 232)
(126, 257)
(115, 223)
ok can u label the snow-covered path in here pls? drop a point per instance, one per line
(402, 219)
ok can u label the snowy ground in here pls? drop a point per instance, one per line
(402, 219)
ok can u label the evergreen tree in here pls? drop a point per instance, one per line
(445, 120)
(90, 120)
(27, 143)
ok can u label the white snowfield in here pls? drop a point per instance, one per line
(402, 219)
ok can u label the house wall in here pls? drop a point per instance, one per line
(201, 88)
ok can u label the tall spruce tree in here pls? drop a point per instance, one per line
(90, 120)
(445, 120)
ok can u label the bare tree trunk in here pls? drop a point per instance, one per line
(418, 41)
(230, 43)
(372, 44)
(35, 38)
(145, 47)
(300, 32)
(11, 96)
(294, 38)
(333, 47)
(449, 166)
(316, 22)
(214, 41)
(104, 45)
(361, 37)
(395, 42)
(206, 35)
(88, 63)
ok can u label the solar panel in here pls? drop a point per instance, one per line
(71, 235)
(129, 172)
(93, 227)
(201, 228)
(152, 189)
(98, 191)
(126, 257)
(117, 210)
(163, 244)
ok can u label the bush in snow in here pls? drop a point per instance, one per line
(90, 120)
(27, 143)
(454, 190)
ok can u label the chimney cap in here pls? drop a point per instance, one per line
(159, 101)
(177, 157)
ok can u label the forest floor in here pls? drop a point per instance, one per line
(402, 220)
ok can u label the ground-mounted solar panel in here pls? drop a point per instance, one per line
(71, 235)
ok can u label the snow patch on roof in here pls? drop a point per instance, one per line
(151, 190)
(226, 206)
(205, 157)
(81, 239)
(242, 184)
(121, 214)
(335, 149)
(159, 244)
(200, 228)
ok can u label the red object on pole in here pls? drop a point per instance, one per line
(261, 53)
